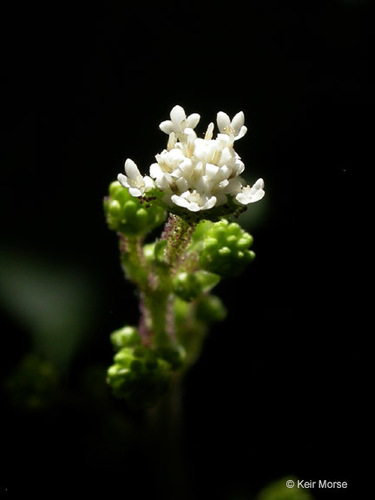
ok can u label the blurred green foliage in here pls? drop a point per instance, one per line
(278, 490)
(53, 301)
(33, 384)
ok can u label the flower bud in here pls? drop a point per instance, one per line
(127, 336)
(189, 286)
(175, 356)
(210, 309)
(139, 375)
(226, 249)
(129, 215)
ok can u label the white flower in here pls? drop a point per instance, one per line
(194, 201)
(133, 180)
(251, 194)
(196, 173)
(179, 122)
(235, 128)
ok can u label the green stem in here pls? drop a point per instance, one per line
(164, 424)
(133, 261)
(158, 324)
(178, 233)
(155, 283)
(160, 302)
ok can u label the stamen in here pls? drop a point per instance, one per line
(209, 132)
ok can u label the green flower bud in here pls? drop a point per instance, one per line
(154, 254)
(139, 376)
(114, 208)
(181, 311)
(201, 230)
(128, 215)
(124, 357)
(127, 336)
(175, 356)
(210, 309)
(130, 208)
(226, 249)
(188, 286)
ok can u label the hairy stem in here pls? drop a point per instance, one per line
(157, 306)
(178, 233)
(132, 259)
(157, 322)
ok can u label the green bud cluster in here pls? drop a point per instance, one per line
(128, 215)
(226, 249)
(140, 374)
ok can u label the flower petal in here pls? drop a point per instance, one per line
(148, 182)
(241, 133)
(123, 180)
(237, 122)
(155, 170)
(211, 170)
(180, 201)
(258, 188)
(131, 169)
(178, 115)
(193, 120)
(210, 203)
(223, 121)
(166, 126)
(135, 192)
(182, 184)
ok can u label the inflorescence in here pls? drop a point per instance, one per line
(194, 186)
(193, 173)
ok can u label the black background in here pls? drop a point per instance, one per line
(278, 390)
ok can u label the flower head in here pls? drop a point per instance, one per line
(193, 173)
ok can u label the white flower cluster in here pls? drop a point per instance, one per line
(196, 173)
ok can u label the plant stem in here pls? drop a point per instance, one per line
(157, 319)
(133, 261)
(165, 424)
(157, 322)
(157, 304)
(178, 233)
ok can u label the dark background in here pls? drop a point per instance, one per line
(278, 390)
